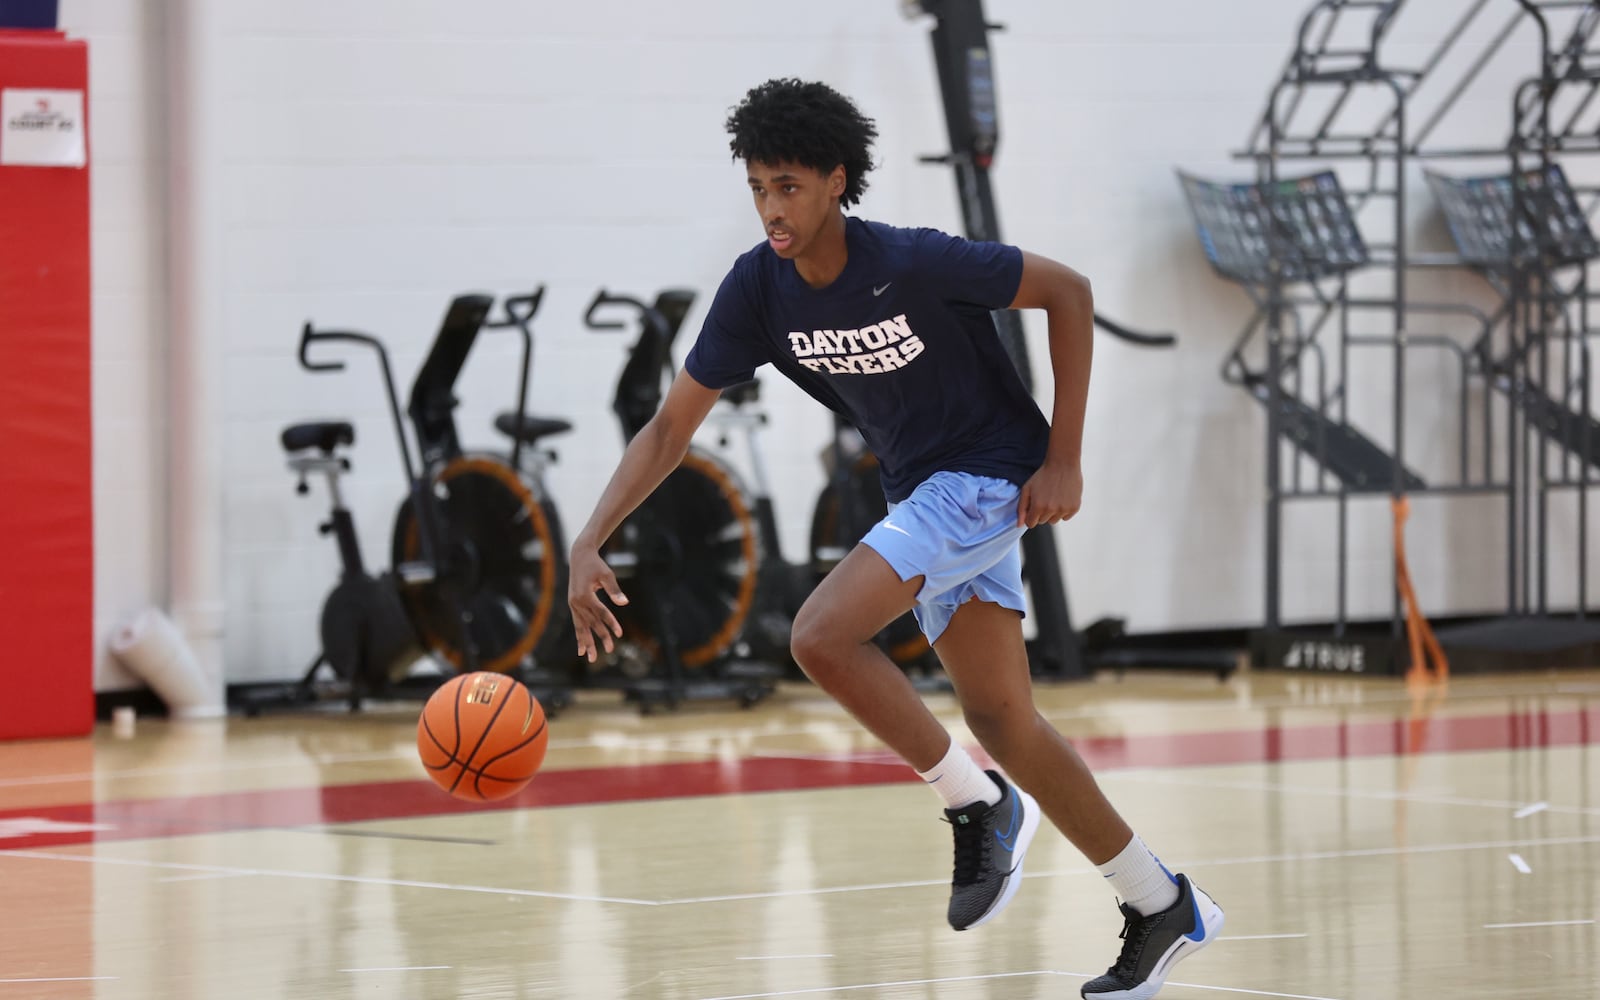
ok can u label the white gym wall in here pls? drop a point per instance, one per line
(372, 158)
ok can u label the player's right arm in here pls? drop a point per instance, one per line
(653, 453)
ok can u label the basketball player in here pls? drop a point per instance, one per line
(892, 328)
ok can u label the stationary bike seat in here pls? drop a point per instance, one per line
(529, 429)
(326, 435)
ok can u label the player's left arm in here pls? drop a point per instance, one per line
(1055, 491)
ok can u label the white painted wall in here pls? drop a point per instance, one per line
(381, 156)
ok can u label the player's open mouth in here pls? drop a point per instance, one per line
(779, 239)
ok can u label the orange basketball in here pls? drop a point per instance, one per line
(482, 736)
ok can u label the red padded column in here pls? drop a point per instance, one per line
(46, 478)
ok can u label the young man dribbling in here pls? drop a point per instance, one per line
(892, 328)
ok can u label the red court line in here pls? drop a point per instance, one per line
(285, 807)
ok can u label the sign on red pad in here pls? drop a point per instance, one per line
(46, 470)
(42, 128)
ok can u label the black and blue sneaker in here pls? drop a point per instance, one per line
(990, 843)
(1152, 945)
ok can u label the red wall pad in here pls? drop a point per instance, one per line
(46, 474)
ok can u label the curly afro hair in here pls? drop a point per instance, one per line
(790, 121)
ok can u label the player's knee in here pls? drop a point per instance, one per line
(813, 646)
(1002, 728)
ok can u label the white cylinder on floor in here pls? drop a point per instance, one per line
(153, 649)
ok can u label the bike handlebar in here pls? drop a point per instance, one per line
(602, 298)
(1134, 336)
(308, 334)
(519, 310)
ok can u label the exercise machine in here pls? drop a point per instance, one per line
(477, 562)
(690, 555)
(850, 502)
(486, 579)
(965, 68)
(1321, 241)
(367, 640)
(781, 585)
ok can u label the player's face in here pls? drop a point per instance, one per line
(794, 203)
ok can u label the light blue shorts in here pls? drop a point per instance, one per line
(959, 532)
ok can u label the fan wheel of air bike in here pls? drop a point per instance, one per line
(836, 529)
(695, 538)
(502, 567)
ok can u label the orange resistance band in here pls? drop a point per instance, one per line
(1418, 631)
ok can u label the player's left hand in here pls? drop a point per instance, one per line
(1051, 495)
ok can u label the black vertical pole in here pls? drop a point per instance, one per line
(966, 81)
(1267, 170)
(1398, 469)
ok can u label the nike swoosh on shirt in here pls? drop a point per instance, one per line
(896, 527)
(880, 289)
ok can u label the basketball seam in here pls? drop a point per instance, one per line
(479, 771)
(466, 765)
(455, 709)
(450, 755)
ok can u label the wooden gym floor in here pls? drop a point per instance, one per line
(1367, 841)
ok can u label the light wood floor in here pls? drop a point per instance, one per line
(1367, 842)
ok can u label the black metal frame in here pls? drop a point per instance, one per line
(431, 408)
(655, 550)
(966, 81)
(965, 68)
(1508, 350)
(1541, 310)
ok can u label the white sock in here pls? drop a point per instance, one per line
(959, 780)
(1140, 879)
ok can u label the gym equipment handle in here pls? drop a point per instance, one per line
(602, 298)
(308, 334)
(1134, 336)
(519, 312)
(519, 309)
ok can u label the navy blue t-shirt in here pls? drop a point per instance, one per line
(902, 343)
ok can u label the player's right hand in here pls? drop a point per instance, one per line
(594, 623)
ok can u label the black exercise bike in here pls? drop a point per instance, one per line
(477, 554)
(690, 555)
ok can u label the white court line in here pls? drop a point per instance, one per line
(1259, 937)
(205, 876)
(875, 986)
(1379, 852)
(786, 893)
(401, 968)
(321, 877)
(1237, 989)
(1539, 923)
(1371, 852)
(1519, 864)
(1526, 811)
(71, 979)
(1350, 793)
(1359, 852)
(998, 975)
